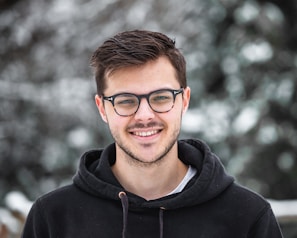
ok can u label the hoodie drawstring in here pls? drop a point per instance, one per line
(161, 211)
(125, 206)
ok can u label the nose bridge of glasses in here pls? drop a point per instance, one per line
(144, 106)
(144, 97)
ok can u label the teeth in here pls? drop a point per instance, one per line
(145, 133)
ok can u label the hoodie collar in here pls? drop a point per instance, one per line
(95, 176)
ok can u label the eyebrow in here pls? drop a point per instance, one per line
(141, 94)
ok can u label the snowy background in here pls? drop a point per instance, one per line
(242, 69)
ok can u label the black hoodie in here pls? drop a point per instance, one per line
(212, 205)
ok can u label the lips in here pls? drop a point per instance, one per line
(145, 133)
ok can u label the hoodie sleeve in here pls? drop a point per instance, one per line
(266, 226)
(35, 226)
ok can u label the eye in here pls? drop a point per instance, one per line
(161, 97)
(126, 101)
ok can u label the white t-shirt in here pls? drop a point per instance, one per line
(190, 174)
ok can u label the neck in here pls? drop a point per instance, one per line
(150, 181)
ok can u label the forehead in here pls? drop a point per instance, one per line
(145, 78)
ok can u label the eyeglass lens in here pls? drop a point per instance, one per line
(127, 104)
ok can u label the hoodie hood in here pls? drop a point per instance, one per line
(95, 177)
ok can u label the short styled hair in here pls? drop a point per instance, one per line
(134, 48)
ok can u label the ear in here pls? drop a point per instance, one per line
(186, 99)
(100, 106)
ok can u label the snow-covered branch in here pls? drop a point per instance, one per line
(284, 210)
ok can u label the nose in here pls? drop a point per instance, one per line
(144, 112)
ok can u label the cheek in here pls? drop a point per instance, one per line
(110, 116)
(177, 117)
(173, 119)
(115, 123)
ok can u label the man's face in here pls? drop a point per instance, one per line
(146, 136)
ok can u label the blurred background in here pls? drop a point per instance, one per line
(242, 69)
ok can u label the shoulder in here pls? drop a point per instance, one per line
(50, 203)
(245, 199)
(245, 193)
(61, 192)
(60, 197)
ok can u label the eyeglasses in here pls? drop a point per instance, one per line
(160, 101)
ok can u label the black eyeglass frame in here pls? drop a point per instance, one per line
(146, 96)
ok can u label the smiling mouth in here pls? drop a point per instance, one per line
(146, 133)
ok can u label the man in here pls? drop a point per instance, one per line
(148, 184)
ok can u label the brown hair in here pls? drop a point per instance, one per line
(132, 48)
